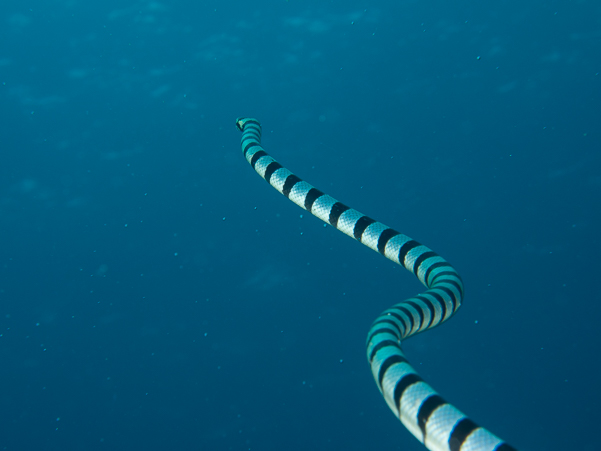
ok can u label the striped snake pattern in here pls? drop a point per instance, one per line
(433, 421)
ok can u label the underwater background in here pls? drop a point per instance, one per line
(155, 293)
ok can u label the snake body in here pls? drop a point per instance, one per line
(433, 421)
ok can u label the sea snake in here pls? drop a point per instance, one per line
(432, 420)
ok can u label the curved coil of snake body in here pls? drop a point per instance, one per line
(433, 421)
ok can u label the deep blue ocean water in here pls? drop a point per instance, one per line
(156, 294)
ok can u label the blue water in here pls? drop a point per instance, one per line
(156, 294)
